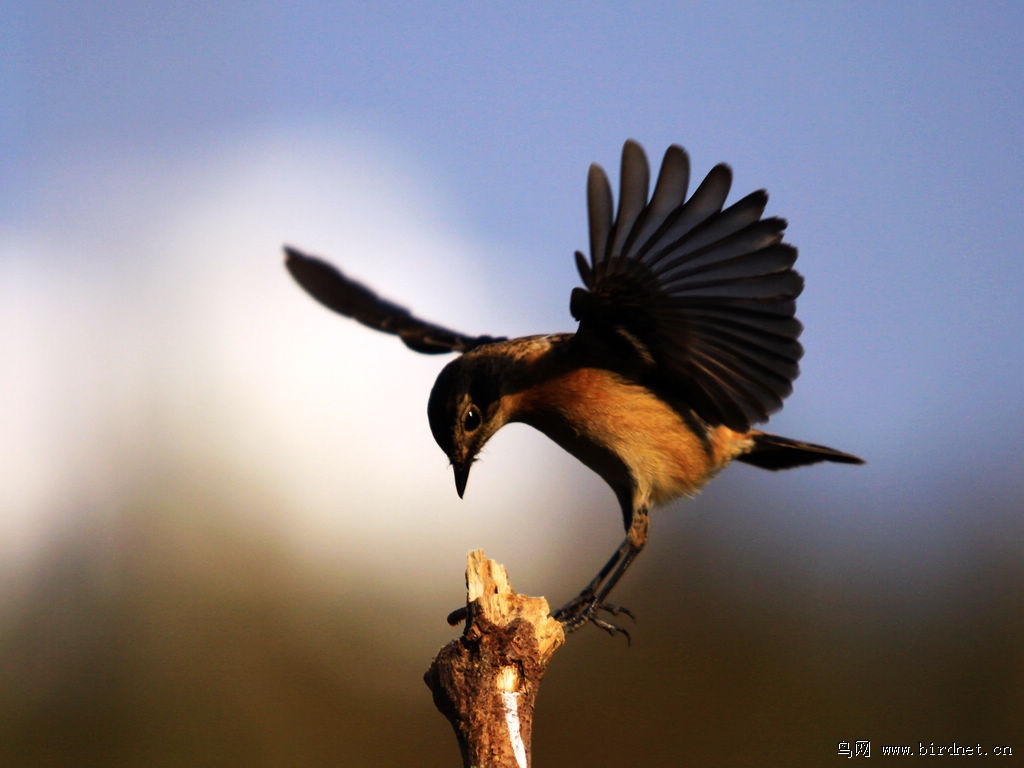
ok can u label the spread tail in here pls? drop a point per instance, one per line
(774, 452)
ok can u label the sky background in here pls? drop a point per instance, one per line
(157, 361)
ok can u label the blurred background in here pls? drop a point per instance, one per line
(226, 534)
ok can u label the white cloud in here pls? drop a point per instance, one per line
(155, 327)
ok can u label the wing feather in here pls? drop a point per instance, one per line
(599, 208)
(706, 293)
(635, 180)
(329, 286)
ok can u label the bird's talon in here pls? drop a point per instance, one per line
(611, 629)
(583, 610)
(615, 610)
(457, 616)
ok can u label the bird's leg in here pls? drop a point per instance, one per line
(584, 606)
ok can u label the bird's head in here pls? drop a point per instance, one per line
(465, 410)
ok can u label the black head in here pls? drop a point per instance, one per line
(465, 411)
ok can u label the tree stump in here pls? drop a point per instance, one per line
(486, 681)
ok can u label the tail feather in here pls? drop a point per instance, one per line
(775, 452)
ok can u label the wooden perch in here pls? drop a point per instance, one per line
(486, 681)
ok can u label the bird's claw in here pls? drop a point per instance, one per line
(584, 609)
(457, 616)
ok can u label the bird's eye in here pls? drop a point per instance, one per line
(472, 420)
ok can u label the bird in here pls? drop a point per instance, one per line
(687, 337)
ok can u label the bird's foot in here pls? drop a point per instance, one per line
(584, 609)
(458, 616)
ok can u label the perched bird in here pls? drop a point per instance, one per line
(687, 337)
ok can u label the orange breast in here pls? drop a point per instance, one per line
(592, 412)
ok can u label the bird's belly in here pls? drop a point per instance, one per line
(638, 443)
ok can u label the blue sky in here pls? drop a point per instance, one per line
(156, 157)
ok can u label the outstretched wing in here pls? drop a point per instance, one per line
(705, 296)
(334, 290)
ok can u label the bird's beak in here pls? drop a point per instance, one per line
(461, 476)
